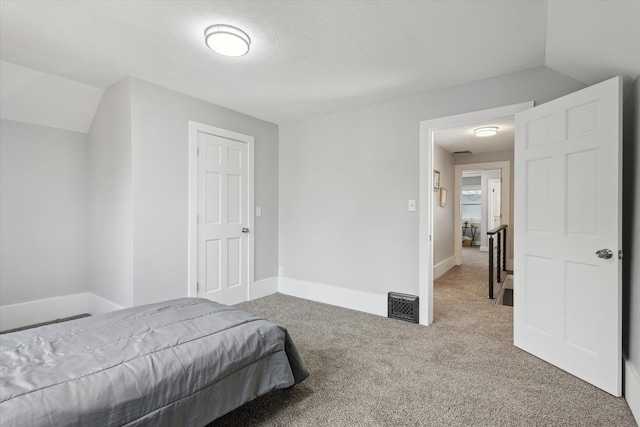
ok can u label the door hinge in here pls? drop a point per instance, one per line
(620, 254)
(198, 286)
(198, 151)
(197, 218)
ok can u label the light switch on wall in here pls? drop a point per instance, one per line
(412, 205)
(258, 211)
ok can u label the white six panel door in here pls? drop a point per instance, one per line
(567, 306)
(222, 216)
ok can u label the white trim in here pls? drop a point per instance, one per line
(427, 127)
(262, 288)
(42, 310)
(194, 128)
(48, 309)
(442, 267)
(98, 305)
(632, 389)
(425, 226)
(334, 295)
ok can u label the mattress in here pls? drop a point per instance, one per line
(183, 362)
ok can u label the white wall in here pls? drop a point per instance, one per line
(139, 167)
(345, 179)
(111, 195)
(43, 212)
(160, 138)
(631, 247)
(443, 221)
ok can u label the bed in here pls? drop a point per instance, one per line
(183, 362)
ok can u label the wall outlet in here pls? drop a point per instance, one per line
(281, 271)
(412, 205)
(258, 211)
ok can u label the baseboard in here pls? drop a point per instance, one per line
(442, 267)
(42, 310)
(632, 389)
(334, 295)
(262, 288)
(98, 305)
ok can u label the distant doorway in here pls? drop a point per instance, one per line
(476, 207)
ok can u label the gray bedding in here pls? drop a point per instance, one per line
(179, 363)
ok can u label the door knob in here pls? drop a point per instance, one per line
(246, 230)
(604, 253)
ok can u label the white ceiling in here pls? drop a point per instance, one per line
(314, 57)
(462, 138)
(592, 41)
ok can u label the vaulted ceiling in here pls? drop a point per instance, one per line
(313, 57)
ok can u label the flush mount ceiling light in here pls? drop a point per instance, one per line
(227, 40)
(485, 131)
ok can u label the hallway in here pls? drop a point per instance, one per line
(461, 295)
(468, 279)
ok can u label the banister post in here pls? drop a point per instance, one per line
(498, 253)
(491, 266)
(504, 254)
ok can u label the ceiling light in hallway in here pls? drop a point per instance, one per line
(485, 131)
(227, 40)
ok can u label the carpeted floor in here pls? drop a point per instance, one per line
(463, 370)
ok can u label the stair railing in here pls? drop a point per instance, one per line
(501, 232)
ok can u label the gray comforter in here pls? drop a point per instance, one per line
(179, 363)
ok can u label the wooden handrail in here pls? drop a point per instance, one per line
(497, 229)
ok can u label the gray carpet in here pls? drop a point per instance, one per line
(463, 370)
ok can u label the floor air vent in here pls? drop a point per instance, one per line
(403, 307)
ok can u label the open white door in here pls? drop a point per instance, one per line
(493, 206)
(567, 307)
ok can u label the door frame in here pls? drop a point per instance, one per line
(505, 191)
(192, 257)
(425, 184)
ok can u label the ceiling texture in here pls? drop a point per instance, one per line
(310, 58)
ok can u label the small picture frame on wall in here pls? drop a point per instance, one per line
(443, 197)
(436, 180)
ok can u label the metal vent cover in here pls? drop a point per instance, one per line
(403, 307)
